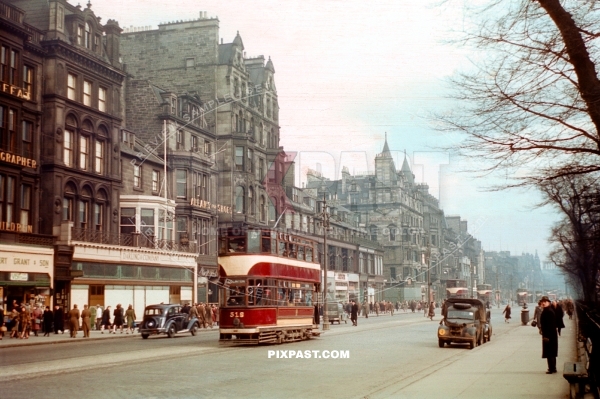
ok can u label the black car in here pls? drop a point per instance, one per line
(167, 319)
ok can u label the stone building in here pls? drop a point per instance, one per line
(26, 256)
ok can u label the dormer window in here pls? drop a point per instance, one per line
(80, 35)
(174, 105)
(88, 35)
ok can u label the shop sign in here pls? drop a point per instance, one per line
(208, 205)
(16, 227)
(340, 276)
(19, 276)
(16, 91)
(17, 160)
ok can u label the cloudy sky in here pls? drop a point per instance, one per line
(349, 72)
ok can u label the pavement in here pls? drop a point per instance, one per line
(510, 366)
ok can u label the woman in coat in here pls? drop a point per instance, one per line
(549, 335)
(47, 318)
(24, 323)
(431, 310)
(14, 323)
(130, 316)
(106, 320)
(506, 313)
(118, 320)
(36, 320)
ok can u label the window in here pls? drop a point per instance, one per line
(84, 152)
(173, 105)
(181, 181)
(261, 170)
(87, 93)
(68, 148)
(262, 209)
(4, 62)
(8, 124)
(200, 186)
(239, 199)
(27, 134)
(28, 80)
(72, 87)
(251, 201)
(207, 150)
(137, 176)
(97, 39)
(147, 223)
(88, 35)
(102, 99)
(127, 220)
(99, 159)
(250, 160)
(98, 216)
(181, 227)
(83, 213)
(179, 139)
(155, 178)
(239, 159)
(80, 35)
(13, 73)
(7, 199)
(194, 143)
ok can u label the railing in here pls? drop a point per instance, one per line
(11, 12)
(588, 323)
(36, 36)
(26, 238)
(136, 240)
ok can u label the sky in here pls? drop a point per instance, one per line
(350, 73)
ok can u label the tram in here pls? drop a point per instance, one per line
(522, 296)
(456, 289)
(268, 284)
(484, 293)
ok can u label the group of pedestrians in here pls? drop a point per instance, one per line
(207, 314)
(25, 319)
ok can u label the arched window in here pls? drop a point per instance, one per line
(69, 140)
(83, 209)
(239, 199)
(263, 211)
(100, 211)
(250, 201)
(69, 201)
(88, 35)
(272, 209)
(100, 150)
(373, 231)
(393, 231)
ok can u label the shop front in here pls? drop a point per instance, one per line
(26, 275)
(128, 276)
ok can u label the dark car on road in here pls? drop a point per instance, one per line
(167, 319)
(465, 321)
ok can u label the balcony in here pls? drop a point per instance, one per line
(12, 13)
(135, 240)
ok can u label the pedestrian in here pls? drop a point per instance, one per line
(536, 317)
(431, 310)
(506, 313)
(570, 308)
(209, 319)
(74, 316)
(215, 310)
(354, 314)
(86, 321)
(36, 320)
(92, 317)
(549, 335)
(3, 327)
(47, 317)
(98, 316)
(105, 323)
(118, 319)
(193, 312)
(24, 323)
(558, 311)
(130, 316)
(366, 308)
(59, 320)
(201, 315)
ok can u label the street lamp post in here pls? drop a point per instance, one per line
(325, 262)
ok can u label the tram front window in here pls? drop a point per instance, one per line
(236, 295)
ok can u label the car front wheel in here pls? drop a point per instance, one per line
(440, 343)
(171, 331)
(194, 329)
(473, 343)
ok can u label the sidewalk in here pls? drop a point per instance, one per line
(65, 338)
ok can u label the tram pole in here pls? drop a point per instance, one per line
(325, 262)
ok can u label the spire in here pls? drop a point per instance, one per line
(406, 170)
(386, 150)
(238, 40)
(270, 65)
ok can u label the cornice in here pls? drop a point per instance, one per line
(60, 48)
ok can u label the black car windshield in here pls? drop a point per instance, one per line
(153, 312)
(460, 314)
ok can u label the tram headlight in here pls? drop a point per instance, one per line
(236, 322)
(441, 331)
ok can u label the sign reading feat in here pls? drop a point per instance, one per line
(16, 91)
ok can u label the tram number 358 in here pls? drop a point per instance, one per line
(236, 314)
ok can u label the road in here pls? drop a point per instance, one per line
(388, 357)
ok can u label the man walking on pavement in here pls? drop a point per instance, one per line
(74, 321)
(86, 316)
(549, 335)
(354, 313)
(98, 316)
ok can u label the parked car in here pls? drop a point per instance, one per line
(167, 319)
(335, 312)
(465, 321)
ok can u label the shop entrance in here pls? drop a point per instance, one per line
(96, 295)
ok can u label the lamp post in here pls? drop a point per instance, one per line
(325, 216)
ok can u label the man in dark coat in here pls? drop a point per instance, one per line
(59, 320)
(558, 311)
(549, 335)
(354, 313)
(74, 316)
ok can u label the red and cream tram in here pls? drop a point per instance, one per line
(268, 285)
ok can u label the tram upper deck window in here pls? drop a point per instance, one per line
(282, 249)
(301, 252)
(292, 250)
(254, 241)
(309, 254)
(236, 245)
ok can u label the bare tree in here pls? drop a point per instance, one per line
(576, 238)
(532, 103)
